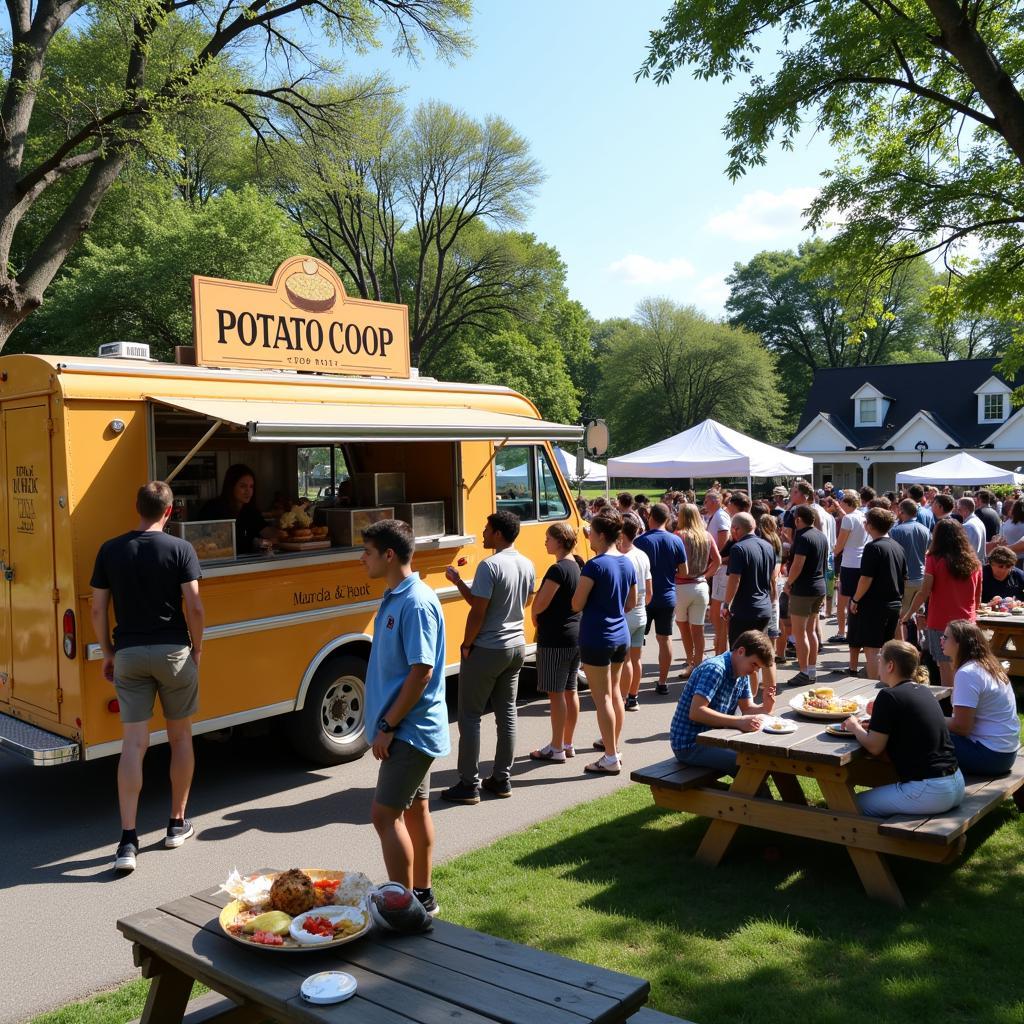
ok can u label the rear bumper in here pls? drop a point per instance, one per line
(36, 745)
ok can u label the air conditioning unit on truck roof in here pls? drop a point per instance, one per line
(125, 350)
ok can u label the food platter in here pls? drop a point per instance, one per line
(842, 707)
(339, 897)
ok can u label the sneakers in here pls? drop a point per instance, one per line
(632, 704)
(462, 793)
(780, 661)
(496, 788)
(124, 859)
(177, 834)
(802, 679)
(661, 689)
(429, 901)
(838, 638)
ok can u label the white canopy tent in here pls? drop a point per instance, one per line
(593, 472)
(959, 469)
(710, 449)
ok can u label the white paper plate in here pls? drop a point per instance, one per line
(797, 704)
(771, 725)
(328, 987)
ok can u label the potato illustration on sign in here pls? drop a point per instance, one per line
(307, 289)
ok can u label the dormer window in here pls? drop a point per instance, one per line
(993, 401)
(867, 412)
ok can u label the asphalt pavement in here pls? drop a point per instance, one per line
(253, 804)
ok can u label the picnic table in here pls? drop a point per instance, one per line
(837, 764)
(450, 975)
(1007, 640)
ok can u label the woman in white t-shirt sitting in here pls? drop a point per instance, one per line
(984, 728)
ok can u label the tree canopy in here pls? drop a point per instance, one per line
(87, 85)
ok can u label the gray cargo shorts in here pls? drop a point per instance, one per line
(165, 670)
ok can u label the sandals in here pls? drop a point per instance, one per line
(569, 750)
(548, 754)
(599, 767)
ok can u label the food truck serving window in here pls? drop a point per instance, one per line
(526, 483)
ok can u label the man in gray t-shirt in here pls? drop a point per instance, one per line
(492, 655)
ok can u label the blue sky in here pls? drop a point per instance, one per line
(636, 198)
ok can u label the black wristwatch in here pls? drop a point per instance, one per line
(383, 726)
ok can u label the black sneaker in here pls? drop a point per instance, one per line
(496, 788)
(124, 859)
(462, 793)
(177, 834)
(837, 639)
(632, 704)
(661, 689)
(429, 901)
(801, 679)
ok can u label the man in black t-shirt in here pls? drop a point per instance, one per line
(806, 588)
(985, 510)
(875, 608)
(156, 651)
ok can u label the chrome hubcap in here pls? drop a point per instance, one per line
(341, 712)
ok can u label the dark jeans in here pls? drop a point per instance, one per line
(708, 757)
(977, 759)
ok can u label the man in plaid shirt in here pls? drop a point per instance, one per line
(711, 697)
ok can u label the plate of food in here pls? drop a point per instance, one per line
(778, 726)
(298, 909)
(836, 729)
(822, 703)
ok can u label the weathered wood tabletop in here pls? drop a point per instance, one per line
(450, 975)
(837, 765)
(1007, 641)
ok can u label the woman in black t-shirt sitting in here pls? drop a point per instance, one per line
(558, 635)
(907, 723)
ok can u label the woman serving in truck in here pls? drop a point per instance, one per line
(236, 502)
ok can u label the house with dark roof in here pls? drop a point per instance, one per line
(864, 424)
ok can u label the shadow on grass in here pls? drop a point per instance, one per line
(782, 930)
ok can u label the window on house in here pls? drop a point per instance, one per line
(993, 406)
(869, 410)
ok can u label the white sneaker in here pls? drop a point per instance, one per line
(124, 859)
(177, 834)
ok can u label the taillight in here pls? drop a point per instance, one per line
(113, 706)
(70, 640)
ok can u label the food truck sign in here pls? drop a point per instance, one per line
(302, 320)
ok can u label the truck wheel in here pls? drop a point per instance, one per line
(329, 728)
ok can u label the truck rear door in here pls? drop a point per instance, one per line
(28, 635)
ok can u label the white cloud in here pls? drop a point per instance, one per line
(636, 269)
(711, 292)
(764, 216)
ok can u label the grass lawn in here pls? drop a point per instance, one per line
(781, 932)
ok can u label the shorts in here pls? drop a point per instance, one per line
(773, 630)
(872, 626)
(692, 602)
(805, 606)
(599, 657)
(738, 626)
(848, 580)
(783, 608)
(663, 620)
(909, 593)
(719, 582)
(165, 670)
(830, 576)
(637, 634)
(403, 776)
(557, 668)
(933, 639)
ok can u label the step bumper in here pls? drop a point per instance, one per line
(36, 745)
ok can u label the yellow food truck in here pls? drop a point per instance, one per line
(313, 392)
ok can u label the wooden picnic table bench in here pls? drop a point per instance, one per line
(450, 975)
(1007, 639)
(837, 765)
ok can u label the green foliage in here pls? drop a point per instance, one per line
(670, 367)
(138, 284)
(534, 368)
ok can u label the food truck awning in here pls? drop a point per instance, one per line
(308, 422)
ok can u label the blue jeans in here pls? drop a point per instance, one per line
(708, 757)
(977, 759)
(923, 796)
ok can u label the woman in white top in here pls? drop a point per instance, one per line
(636, 620)
(984, 728)
(692, 591)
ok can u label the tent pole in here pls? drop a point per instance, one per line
(749, 488)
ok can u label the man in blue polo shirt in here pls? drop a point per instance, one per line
(405, 709)
(718, 688)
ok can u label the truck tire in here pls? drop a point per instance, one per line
(330, 728)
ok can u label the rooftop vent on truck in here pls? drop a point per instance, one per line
(124, 350)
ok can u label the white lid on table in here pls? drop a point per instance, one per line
(328, 987)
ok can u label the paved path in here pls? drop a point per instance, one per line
(253, 804)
